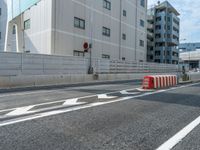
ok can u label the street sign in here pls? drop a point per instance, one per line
(86, 46)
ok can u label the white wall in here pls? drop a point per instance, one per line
(69, 38)
(3, 21)
(38, 37)
(52, 28)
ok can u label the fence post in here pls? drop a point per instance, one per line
(21, 63)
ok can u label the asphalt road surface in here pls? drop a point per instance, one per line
(115, 116)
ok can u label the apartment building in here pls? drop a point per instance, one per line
(163, 29)
(115, 29)
(150, 36)
(3, 20)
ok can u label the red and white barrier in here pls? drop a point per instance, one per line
(159, 81)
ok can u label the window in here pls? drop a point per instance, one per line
(0, 35)
(141, 43)
(106, 31)
(14, 30)
(123, 58)
(158, 18)
(107, 4)
(78, 53)
(27, 24)
(142, 3)
(79, 23)
(0, 11)
(157, 36)
(141, 23)
(124, 36)
(158, 27)
(124, 13)
(104, 56)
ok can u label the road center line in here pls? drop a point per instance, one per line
(42, 115)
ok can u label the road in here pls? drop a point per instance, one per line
(112, 116)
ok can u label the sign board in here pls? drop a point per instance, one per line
(16, 7)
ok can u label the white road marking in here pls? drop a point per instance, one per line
(105, 96)
(172, 142)
(71, 102)
(124, 92)
(145, 90)
(42, 115)
(58, 101)
(20, 111)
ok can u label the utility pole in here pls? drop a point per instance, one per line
(120, 29)
(90, 70)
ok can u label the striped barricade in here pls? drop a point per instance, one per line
(159, 81)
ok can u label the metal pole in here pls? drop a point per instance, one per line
(90, 70)
(120, 29)
(136, 31)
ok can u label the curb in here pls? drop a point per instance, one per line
(48, 87)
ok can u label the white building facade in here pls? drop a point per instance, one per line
(3, 20)
(116, 29)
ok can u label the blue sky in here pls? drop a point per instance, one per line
(190, 18)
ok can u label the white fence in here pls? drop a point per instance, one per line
(13, 64)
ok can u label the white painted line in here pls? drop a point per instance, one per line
(172, 142)
(144, 90)
(71, 102)
(59, 101)
(20, 111)
(42, 115)
(105, 96)
(124, 92)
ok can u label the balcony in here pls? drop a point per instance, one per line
(149, 52)
(150, 17)
(150, 35)
(150, 43)
(150, 26)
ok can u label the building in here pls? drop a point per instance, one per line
(191, 59)
(115, 29)
(190, 54)
(150, 37)
(163, 33)
(3, 20)
(186, 47)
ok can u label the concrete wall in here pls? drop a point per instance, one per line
(16, 64)
(194, 76)
(47, 80)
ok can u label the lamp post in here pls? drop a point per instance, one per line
(183, 67)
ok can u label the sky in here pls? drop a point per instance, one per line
(190, 18)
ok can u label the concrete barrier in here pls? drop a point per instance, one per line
(49, 80)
